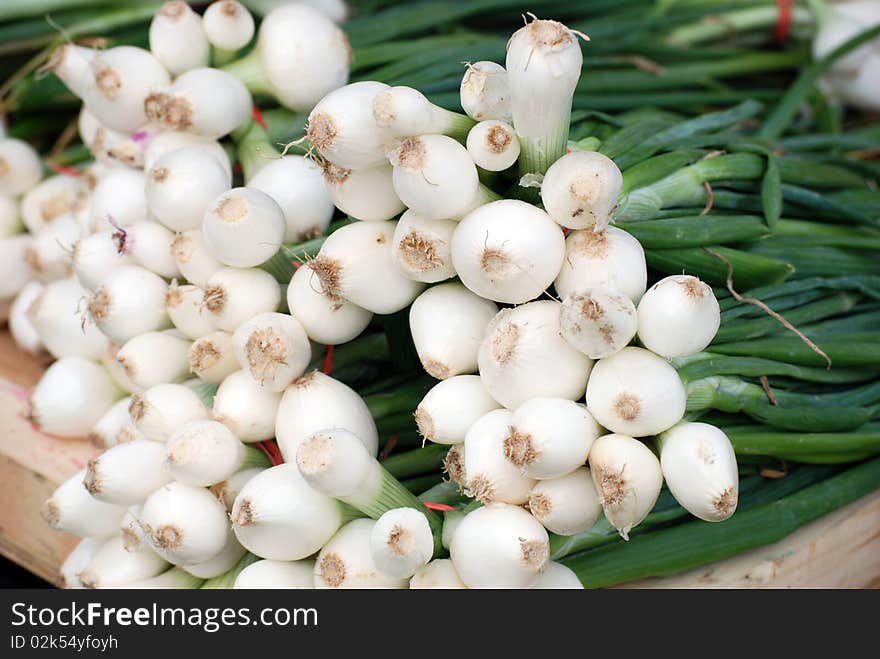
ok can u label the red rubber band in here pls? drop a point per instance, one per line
(270, 448)
(64, 170)
(258, 117)
(783, 20)
(328, 361)
(430, 505)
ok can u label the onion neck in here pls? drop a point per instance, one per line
(249, 69)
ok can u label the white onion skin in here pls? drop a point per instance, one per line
(203, 453)
(493, 145)
(324, 319)
(212, 357)
(316, 402)
(167, 141)
(72, 395)
(14, 267)
(10, 222)
(699, 465)
(678, 316)
(226, 491)
(342, 128)
(435, 176)
(71, 509)
(581, 190)
(628, 479)
(550, 437)
(118, 199)
(77, 561)
(451, 407)
(72, 65)
(423, 247)
(123, 77)
(159, 410)
(95, 256)
(278, 516)
(21, 328)
(21, 168)
(556, 576)
(568, 504)
(485, 92)
(297, 185)
(447, 324)
(499, 546)
(599, 321)
(49, 252)
(194, 259)
(149, 244)
(231, 554)
(401, 542)
(58, 317)
(177, 38)
(182, 184)
(273, 349)
(522, 356)
(154, 358)
(205, 101)
(114, 566)
(346, 561)
(490, 476)
(184, 307)
(244, 227)
(356, 264)
(130, 301)
(635, 392)
(233, 295)
(612, 256)
(437, 574)
(115, 426)
(183, 524)
(268, 574)
(247, 409)
(508, 251)
(366, 194)
(126, 474)
(304, 55)
(48, 199)
(228, 25)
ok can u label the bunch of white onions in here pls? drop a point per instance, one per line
(187, 344)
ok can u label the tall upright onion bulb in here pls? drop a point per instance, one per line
(508, 251)
(543, 67)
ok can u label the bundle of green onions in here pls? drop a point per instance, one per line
(572, 307)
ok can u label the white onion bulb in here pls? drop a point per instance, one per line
(194, 258)
(499, 546)
(699, 466)
(493, 145)
(234, 295)
(347, 562)
(266, 574)
(568, 504)
(598, 321)
(448, 323)
(159, 410)
(20, 167)
(212, 357)
(451, 407)
(490, 476)
(628, 479)
(581, 189)
(126, 474)
(71, 509)
(485, 92)
(177, 38)
(508, 251)
(423, 248)
(246, 408)
(678, 316)
(523, 356)
(273, 349)
(612, 256)
(635, 392)
(324, 319)
(366, 194)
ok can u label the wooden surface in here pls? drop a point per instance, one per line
(841, 550)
